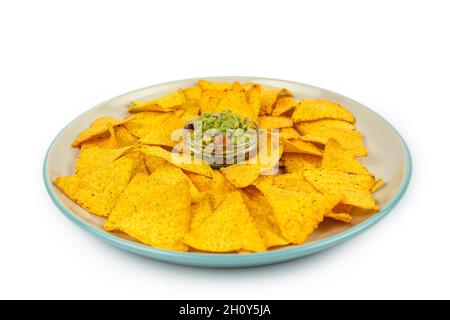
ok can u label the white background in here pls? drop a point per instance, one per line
(59, 58)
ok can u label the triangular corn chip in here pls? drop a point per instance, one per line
(230, 228)
(185, 162)
(297, 215)
(354, 189)
(283, 105)
(337, 158)
(167, 103)
(263, 216)
(269, 97)
(91, 158)
(308, 127)
(153, 211)
(300, 161)
(97, 191)
(315, 109)
(350, 140)
(271, 122)
(98, 127)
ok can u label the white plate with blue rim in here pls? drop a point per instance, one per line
(388, 158)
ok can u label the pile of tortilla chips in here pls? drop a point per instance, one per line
(127, 172)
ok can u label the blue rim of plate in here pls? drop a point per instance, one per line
(235, 260)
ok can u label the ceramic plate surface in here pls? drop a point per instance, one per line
(388, 158)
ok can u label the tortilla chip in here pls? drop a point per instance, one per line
(192, 93)
(297, 215)
(270, 122)
(92, 158)
(309, 127)
(299, 146)
(269, 97)
(236, 101)
(116, 137)
(209, 101)
(208, 85)
(300, 161)
(138, 159)
(189, 110)
(337, 158)
(354, 189)
(220, 188)
(343, 217)
(350, 140)
(315, 109)
(169, 173)
(290, 134)
(98, 127)
(263, 216)
(167, 103)
(200, 211)
(153, 211)
(98, 190)
(124, 137)
(202, 183)
(241, 175)
(292, 182)
(254, 97)
(168, 134)
(377, 184)
(184, 161)
(342, 208)
(283, 105)
(230, 228)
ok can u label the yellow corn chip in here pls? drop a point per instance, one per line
(299, 146)
(167, 103)
(337, 158)
(300, 161)
(201, 182)
(309, 127)
(171, 174)
(344, 217)
(254, 96)
(292, 182)
(269, 97)
(241, 175)
(184, 161)
(283, 105)
(263, 216)
(350, 140)
(315, 109)
(138, 159)
(92, 158)
(354, 189)
(200, 211)
(270, 122)
(220, 188)
(297, 215)
(98, 190)
(377, 184)
(189, 110)
(167, 134)
(153, 211)
(290, 134)
(192, 93)
(236, 101)
(209, 100)
(230, 228)
(98, 127)
(208, 85)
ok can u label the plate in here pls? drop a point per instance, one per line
(389, 158)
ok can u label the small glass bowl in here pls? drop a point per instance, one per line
(227, 156)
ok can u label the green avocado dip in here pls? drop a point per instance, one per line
(221, 130)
